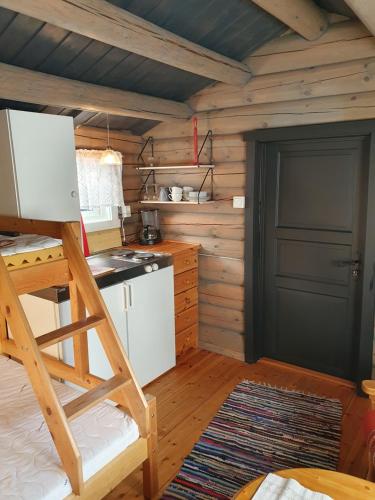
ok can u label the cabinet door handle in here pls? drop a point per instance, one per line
(127, 301)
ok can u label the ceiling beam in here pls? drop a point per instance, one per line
(107, 23)
(365, 11)
(84, 118)
(19, 84)
(302, 16)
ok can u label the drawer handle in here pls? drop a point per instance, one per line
(187, 300)
(187, 282)
(187, 261)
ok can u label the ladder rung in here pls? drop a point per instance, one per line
(68, 331)
(94, 396)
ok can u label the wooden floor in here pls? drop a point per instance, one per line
(189, 396)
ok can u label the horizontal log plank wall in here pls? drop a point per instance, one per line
(296, 82)
(129, 145)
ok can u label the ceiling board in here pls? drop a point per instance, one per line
(234, 29)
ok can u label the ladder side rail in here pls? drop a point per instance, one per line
(3, 333)
(133, 397)
(80, 342)
(57, 368)
(150, 466)
(31, 358)
(31, 226)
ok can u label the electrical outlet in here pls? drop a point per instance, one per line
(238, 202)
(127, 211)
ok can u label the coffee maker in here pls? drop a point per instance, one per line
(150, 232)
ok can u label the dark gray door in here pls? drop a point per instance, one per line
(314, 213)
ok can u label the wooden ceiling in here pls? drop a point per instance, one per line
(139, 79)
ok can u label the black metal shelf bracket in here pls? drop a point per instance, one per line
(210, 171)
(209, 138)
(149, 140)
(151, 172)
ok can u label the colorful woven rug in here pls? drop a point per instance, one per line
(257, 430)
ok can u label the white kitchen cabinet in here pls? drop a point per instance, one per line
(142, 310)
(151, 324)
(45, 316)
(114, 299)
(38, 167)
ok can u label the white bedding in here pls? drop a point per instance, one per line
(27, 243)
(29, 465)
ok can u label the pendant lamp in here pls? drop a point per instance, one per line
(109, 156)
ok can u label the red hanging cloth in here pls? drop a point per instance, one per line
(86, 250)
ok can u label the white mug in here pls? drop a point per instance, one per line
(175, 193)
(175, 196)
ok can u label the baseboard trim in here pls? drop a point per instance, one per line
(306, 371)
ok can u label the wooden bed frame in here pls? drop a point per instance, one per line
(122, 388)
(368, 387)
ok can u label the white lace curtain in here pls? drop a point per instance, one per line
(99, 185)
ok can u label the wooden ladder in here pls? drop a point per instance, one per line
(84, 295)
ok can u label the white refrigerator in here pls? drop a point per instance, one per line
(142, 310)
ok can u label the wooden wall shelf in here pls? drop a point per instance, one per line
(175, 167)
(157, 202)
(208, 170)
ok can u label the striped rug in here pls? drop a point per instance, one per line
(259, 429)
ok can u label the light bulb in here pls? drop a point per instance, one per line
(110, 157)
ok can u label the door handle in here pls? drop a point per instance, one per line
(355, 265)
(346, 263)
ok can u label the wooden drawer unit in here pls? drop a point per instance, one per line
(185, 281)
(185, 261)
(185, 264)
(186, 339)
(184, 300)
(186, 318)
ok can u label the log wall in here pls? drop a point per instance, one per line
(296, 82)
(129, 145)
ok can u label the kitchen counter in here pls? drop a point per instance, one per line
(61, 294)
(185, 267)
(167, 246)
(185, 264)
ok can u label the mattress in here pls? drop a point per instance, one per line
(29, 249)
(29, 465)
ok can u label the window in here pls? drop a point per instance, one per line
(100, 190)
(100, 218)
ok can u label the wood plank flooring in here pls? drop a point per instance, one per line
(189, 396)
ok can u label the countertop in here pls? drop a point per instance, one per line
(61, 294)
(167, 246)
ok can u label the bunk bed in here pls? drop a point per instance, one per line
(60, 442)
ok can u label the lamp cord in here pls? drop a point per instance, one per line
(107, 130)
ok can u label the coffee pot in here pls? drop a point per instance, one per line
(150, 232)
